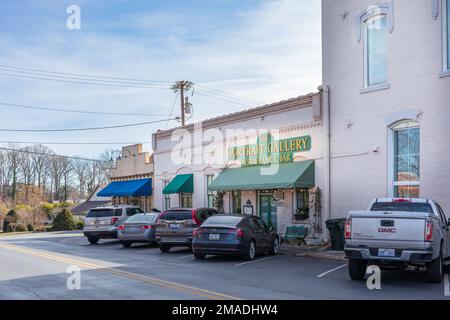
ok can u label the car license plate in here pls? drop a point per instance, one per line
(386, 252)
(214, 236)
(174, 226)
(132, 228)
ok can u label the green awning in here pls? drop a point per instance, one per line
(289, 176)
(182, 183)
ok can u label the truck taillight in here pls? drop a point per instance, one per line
(348, 229)
(114, 220)
(429, 231)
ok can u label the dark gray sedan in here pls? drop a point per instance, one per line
(242, 235)
(140, 228)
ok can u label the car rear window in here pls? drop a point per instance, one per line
(99, 213)
(402, 206)
(142, 218)
(177, 215)
(230, 221)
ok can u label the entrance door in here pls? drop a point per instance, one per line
(268, 210)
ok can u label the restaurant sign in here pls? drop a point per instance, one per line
(267, 150)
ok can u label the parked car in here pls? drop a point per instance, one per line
(242, 235)
(398, 233)
(139, 228)
(175, 226)
(102, 222)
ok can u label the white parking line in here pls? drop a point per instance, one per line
(446, 286)
(253, 261)
(185, 256)
(331, 270)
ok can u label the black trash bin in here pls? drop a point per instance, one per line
(336, 228)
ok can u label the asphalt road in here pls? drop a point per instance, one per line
(34, 266)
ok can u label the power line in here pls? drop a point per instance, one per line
(73, 143)
(85, 129)
(84, 75)
(224, 99)
(83, 82)
(227, 94)
(51, 154)
(118, 81)
(81, 78)
(79, 111)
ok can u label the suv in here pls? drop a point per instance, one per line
(102, 222)
(175, 226)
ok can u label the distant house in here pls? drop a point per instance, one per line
(92, 201)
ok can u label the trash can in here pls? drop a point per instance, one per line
(336, 228)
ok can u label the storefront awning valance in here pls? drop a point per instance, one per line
(182, 183)
(128, 188)
(288, 176)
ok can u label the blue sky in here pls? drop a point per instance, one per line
(265, 50)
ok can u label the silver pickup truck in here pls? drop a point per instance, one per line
(396, 233)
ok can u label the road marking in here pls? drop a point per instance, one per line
(253, 261)
(124, 274)
(185, 256)
(446, 285)
(330, 271)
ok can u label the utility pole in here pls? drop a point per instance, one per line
(182, 87)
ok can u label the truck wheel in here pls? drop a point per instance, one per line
(93, 240)
(164, 248)
(435, 270)
(356, 269)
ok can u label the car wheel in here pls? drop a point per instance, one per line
(164, 248)
(251, 251)
(356, 269)
(93, 240)
(275, 246)
(199, 256)
(126, 244)
(435, 270)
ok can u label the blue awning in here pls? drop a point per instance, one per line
(129, 188)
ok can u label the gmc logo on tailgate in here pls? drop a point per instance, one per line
(387, 230)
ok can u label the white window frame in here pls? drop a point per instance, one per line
(385, 9)
(366, 53)
(392, 183)
(445, 40)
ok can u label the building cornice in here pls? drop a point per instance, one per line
(254, 113)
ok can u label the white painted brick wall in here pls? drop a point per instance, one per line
(414, 64)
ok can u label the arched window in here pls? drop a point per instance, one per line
(405, 159)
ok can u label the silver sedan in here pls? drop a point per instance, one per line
(139, 228)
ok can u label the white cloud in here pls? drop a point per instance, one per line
(271, 53)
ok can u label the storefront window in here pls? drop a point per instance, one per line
(166, 196)
(302, 204)
(236, 202)
(211, 195)
(186, 200)
(407, 160)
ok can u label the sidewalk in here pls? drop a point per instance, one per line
(317, 252)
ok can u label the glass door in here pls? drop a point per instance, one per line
(268, 210)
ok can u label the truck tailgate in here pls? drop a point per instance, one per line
(388, 226)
